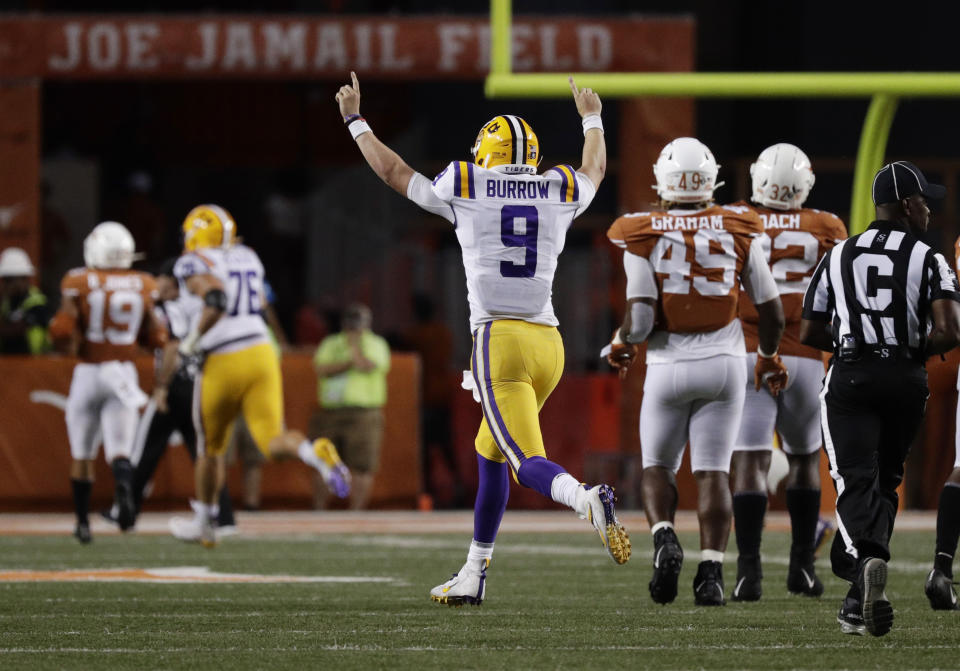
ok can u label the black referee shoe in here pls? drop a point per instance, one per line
(939, 590)
(850, 617)
(877, 611)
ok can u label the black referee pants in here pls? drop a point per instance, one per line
(154, 434)
(870, 412)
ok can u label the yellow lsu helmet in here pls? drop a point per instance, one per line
(507, 140)
(208, 226)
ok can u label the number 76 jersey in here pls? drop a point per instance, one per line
(697, 256)
(511, 229)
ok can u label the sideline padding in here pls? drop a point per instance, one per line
(35, 454)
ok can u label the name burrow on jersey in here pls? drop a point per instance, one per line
(501, 188)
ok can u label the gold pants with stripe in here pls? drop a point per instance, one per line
(516, 365)
(246, 381)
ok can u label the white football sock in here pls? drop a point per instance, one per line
(711, 555)
(567, 490)
(209, 510)
(479, 555)
(660, 525)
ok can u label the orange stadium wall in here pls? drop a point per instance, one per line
(35, 455)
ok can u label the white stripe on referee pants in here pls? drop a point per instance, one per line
(142, 429)
(832, 457)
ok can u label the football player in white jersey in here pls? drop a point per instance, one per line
(240, 371)
(511, 224)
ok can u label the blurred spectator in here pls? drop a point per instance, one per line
(433, 341)
(352, 387)
(55, 243)
(23, 308)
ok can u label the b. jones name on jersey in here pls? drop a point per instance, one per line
(502, 188)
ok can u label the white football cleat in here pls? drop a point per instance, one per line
(469, 585)
(196, 529)
(603, 516)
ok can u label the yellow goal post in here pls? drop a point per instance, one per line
(883, 88)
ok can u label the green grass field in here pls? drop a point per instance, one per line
(553, 601)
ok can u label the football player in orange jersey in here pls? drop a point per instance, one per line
(939, 583)
(685, 262)
(794, 240)
(106, 311)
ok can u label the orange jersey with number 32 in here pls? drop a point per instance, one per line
(793, 241)
(115, 310)
(698, 256)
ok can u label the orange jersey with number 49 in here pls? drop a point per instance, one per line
(115, 310)
(793, 241)
(697, 256)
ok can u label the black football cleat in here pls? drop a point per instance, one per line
(667, 562)
(82, 533)
(802, 579)
(749, 576)
(940, 592)
(708, 585)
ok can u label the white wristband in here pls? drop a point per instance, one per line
(592, 121)
(358, 128)
(760, 352)
(617, 340)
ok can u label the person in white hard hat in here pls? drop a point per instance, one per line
(23, 308)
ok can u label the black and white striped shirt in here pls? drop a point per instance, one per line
(878, 286)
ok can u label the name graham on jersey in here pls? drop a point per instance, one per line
(773, 220)
(714, 221)
(504, 188)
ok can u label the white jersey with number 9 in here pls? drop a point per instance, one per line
(512, 228)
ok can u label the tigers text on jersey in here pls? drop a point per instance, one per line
(113, 308)
(511, 228)
(878, 286)
(698, 257)
(793, 242)
(239, 269)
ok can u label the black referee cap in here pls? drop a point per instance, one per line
(901, 179)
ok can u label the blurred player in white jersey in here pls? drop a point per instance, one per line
(685, 262)
(106, 311)
(794, 240)
(240, 371)
(511, 224)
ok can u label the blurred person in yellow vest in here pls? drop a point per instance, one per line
(24, 313)
(352, 368)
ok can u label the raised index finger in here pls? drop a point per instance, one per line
(573, 86)
(356, 82)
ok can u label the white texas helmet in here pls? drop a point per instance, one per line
(109, 245)
(782, 177)
(686, 172)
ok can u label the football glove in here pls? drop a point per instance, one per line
(621, 354)
(770, 371)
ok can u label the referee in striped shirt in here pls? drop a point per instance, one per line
(881, 302)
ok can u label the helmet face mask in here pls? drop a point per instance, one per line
(781, 177)
(208, 226)
(686, 172)
(508, 141)
(109, 246)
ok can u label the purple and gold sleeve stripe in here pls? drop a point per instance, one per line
(463, 180)
(569, 188)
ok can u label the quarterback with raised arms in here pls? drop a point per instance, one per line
(511, 223)
(685, 262)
